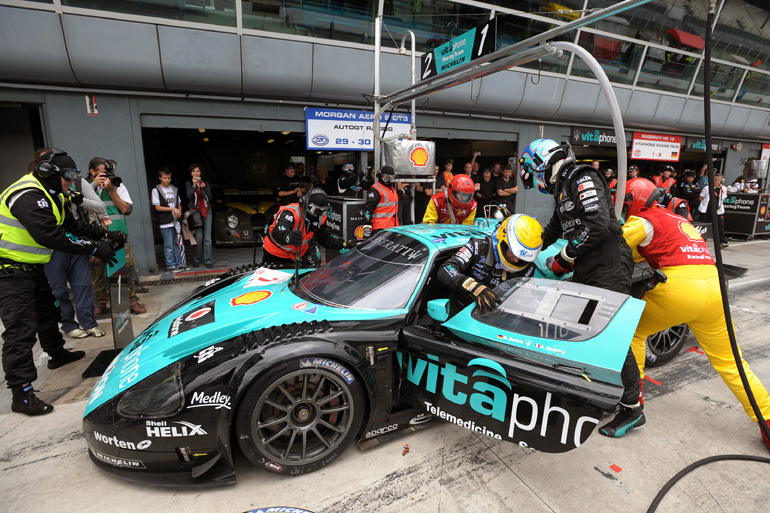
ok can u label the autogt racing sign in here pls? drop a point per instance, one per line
(338, 129)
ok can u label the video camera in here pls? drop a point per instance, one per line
(109, 172)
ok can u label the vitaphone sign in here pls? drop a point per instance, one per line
(596, 137)
(479, 396)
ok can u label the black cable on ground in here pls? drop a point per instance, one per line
(712, 206)
(711, 459)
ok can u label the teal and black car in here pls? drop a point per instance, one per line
(359, 350)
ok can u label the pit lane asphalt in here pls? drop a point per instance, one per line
(690, 415)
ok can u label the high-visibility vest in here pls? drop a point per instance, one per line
(113, 220)
(612, 185)
(386, 213)
(15, 241)
(658, 180)
(288, 251)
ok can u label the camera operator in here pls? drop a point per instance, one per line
(114, 194)
(35, 219)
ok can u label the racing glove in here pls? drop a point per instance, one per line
(486, 299)
(105, 252)
(294, 238)
(350, 244)
(561, 264)
(116, 238)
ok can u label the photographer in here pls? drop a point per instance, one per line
(35, 219)
(199, 200)
(114, 194)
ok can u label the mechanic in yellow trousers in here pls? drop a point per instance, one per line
(690, 295)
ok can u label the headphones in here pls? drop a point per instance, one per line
(47, 168)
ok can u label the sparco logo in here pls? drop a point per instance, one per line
(113, 440)
(162, 429)
(217, 400)
(381, 431)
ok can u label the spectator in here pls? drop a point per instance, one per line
(199, 200)
(165, 199)
(703, 177)
(596, 164)
(475, 175)
(301, 171)
(467, 169)
(76, 269)
(612, 183)
(445, 177)
(487, 191)
(289, 189)
(720, 191)
(497, 171)
(507, 189)
(323, 182)
(115, 196)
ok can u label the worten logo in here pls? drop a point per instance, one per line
(120, 444)
(483, 385)
(162, 429)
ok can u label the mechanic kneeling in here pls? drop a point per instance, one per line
(691, 293)
(36, 219)
(484, 263)
(290, 233)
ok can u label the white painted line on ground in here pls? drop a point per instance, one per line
(750, 282)
(739, 243)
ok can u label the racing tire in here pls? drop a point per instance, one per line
(663, 346)
(295, 419)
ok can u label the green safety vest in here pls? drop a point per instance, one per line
(113, 220)
(15, 241)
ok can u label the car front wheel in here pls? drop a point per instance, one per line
(300, 415)
(664, 345)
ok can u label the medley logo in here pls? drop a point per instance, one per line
(483, 386)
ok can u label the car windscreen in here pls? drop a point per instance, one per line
(552, 309)
(380, 274)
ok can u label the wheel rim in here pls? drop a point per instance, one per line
(663, 342)
(303, 416)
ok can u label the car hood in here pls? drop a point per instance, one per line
(256, 301)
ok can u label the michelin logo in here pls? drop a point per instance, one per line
(328, 364)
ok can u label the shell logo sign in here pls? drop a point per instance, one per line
(250, 298)
(689, 230)
(419, 157)
(359, 233)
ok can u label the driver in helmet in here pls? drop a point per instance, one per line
(300, 227)
(351, 184)
(691, 294)
(484, 263)
(458, 196)
(595, 248)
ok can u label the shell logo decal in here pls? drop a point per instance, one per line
(419, 157)
(689, 230)
(250, 298)
(359, 233)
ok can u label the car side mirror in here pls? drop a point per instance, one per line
(438, 309)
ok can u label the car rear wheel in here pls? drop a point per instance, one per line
(300, 416)
(664, 345)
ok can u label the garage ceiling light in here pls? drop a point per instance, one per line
(270, 141)
(201, 130)
(205, 139)
(285, 133)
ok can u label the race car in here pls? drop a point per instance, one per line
(360, 350)
(241, 216)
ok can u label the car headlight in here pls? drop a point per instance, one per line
(159, 396)
(232, 221)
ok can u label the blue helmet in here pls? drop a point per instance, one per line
(537, 161)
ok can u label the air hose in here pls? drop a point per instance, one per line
(712, 206)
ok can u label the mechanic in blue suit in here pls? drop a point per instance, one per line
(595, 246)
(484, 263)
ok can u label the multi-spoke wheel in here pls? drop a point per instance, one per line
(300, 416)
(664, 345)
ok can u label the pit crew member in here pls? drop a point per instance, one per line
(382, 201)
(691, 294)
(595, 248)
(459, 196)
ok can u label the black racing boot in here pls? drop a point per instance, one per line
(25, 401)
(63, 357)
(626, 419)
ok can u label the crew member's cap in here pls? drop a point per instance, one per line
(387, 170)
